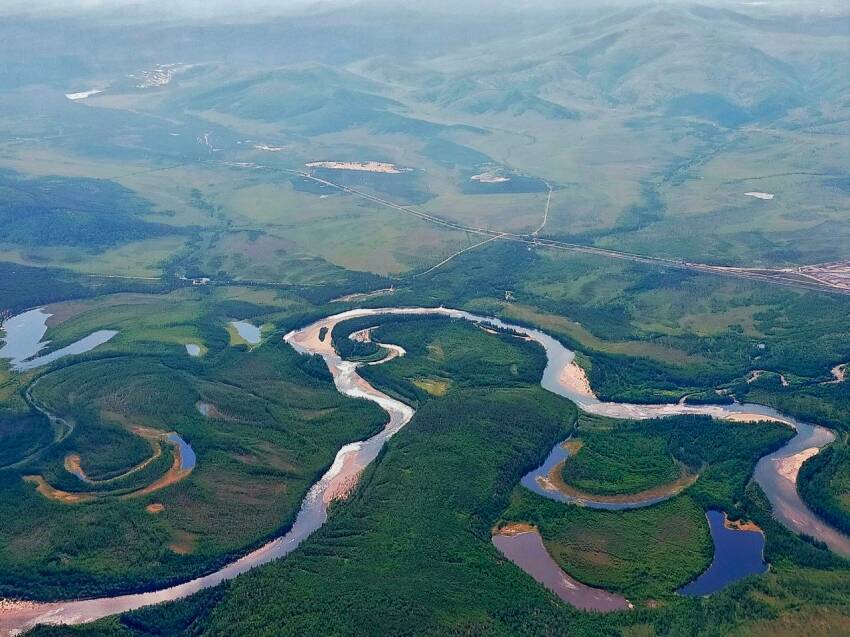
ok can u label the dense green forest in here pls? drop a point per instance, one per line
(677, 334)
(275, 424)
(409, 552)
(824, 484)
(93, 213)
(628, 456)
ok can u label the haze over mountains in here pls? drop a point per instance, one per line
(587, 262)
(640, 115)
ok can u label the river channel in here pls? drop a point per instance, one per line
(775, 473)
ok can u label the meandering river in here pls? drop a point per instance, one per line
(775, 473)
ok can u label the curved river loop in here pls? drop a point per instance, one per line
(776, 473)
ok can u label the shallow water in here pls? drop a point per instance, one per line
(188, 459)
(352, 458)
(249, 332)
(531, 481)
(737, 554)
(527, 551)
(23, 334)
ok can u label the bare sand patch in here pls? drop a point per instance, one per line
(574, 379)
(789, 467)
(754, 418)
(209, 410)
(50, 492)
(741, 525)
(754, 375)
(515, 528)
(81, 95)
(155, 507)
(9, 605)
(490, 177)
(174, 475)
(362, 166)
(345, 480)
(72, 464)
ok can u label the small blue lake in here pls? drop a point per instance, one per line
(22, 341)
(737, 554)
(251, 333)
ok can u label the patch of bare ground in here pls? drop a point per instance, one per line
(789, 467)
(839, 374)
(174, 475)
(434, 386)
(9, 605)
(344, 481)
(72, 461)
(155, 507)
(835, 274)
(490, 177)
(573, 445)
(183, 543)
(50, 492)
(574, 378)
(362, 296)
(741, 525)
(209, 410)
(362, 166)
(514, 528)
(753, 418)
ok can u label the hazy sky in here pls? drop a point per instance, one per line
(195, 8)
(201, 9)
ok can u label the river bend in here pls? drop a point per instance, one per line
(776, 473)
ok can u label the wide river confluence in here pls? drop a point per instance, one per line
(775, 473)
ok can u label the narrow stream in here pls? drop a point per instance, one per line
(775, 473)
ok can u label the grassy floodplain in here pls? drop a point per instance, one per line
(276, 422)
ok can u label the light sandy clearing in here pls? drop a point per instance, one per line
(490, 178)
(574, 378)
(789, 467)
(363, 166)
(83, 94)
